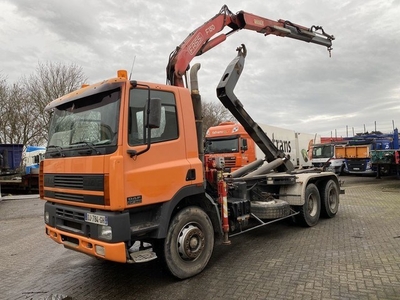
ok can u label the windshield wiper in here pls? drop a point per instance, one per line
(89, 144)
(102, 142)
(58, 149)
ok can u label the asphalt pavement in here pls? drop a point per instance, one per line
(355, 255)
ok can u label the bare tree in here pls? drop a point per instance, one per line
(3, 108)
(51, 81)
(14, 116)
(213, 114)
(22, 116)
(18, 120)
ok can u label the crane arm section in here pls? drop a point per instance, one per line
(203, 38)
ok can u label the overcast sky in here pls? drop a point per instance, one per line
(285, 82)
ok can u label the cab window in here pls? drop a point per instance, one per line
(169, 126)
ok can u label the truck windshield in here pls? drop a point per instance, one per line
(86, 122)
(325, 151)
(222, 146)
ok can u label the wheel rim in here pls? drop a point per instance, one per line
(312, 205)
(332, 199)
(191, 241)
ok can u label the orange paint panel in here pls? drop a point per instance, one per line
(359, 151)
(351, 152)
(116, 183)
(76, 165)
(157, 183)
(362, 152)
(158, 174)
(187, 127)
(113, 251)
(340, 152)
(77, 204)
(78, 192)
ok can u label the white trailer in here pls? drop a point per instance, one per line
(297, 145)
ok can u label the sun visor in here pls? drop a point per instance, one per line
(85, 92)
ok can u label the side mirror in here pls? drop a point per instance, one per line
(244, 145)
(153, 113)
(152, 120)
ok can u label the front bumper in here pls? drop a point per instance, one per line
(110, 251)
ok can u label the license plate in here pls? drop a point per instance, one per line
(96, 219)
(356, 169)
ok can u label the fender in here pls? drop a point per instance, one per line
(294, 194)
(193, 195)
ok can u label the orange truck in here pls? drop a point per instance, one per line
(123, 177)
(231, 141)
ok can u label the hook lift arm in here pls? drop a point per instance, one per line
(276, 158)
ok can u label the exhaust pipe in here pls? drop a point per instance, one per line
(196, 102)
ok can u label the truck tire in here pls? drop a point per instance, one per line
(274, 209)
(329, 199)
(189, 243)
(341, 170)
(311, 209)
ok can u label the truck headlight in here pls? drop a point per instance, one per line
(105, 232)
(100, 250)
(46, 217)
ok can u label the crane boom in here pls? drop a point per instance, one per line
(203, 38)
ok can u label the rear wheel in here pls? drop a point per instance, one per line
(189, 243)
(311, 209)
(330, 199)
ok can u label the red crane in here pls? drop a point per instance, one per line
(203, 38)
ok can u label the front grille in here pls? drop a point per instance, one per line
(75, 182)
(68, 181)
(69, 214)
(69, 220)
(89, 182)
(356, 165)
(230, 162)
(318, 165)
(93, 199)
(70, 197)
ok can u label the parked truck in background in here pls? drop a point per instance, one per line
(231, 141)
(357, 158)
(124, 177)
(10, 159)
(20, 168)
(32, 156)
(385, 157)
(357, 153)
(359, 150)
(325, 156)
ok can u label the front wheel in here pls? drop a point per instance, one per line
(330, 199)
(189, 243)
(311, 209)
